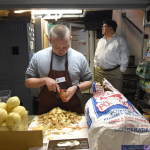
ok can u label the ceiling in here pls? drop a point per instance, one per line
(86, 5)
(76, 4)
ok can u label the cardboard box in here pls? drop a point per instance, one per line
(20, 140)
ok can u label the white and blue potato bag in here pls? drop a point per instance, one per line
(113, 122)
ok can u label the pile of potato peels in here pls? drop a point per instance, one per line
(57, 119)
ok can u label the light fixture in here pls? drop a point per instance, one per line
(71, 11)
(56, 16)
(53, 14)
(61, 11)
(21, 11)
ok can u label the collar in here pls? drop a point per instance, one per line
(111, 37)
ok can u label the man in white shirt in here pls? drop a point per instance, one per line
(111, 56)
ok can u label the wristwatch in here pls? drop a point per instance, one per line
(78, 88)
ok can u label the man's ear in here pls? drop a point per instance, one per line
(49, 40)
(112, 29)
(70, 38)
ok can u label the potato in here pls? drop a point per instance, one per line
(3, 127)
(13, 102)
(62, 93)
(3, 105)
(3, 115)
(20, 110)
(9, 110)
(13, 119)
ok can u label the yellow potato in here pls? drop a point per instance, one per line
(20, 110)
(13, 102)
(3, 115)
(3, 105)
(3, 127)
(9, 109)
(13, 119)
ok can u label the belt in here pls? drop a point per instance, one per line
(111, 68)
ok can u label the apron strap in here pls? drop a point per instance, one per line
(66, 62)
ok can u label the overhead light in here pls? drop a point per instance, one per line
(53, 14)
(61, 11)
(71, 11)
(71, 16)
(56, 16)
(20, 11)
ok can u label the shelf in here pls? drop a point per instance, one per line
(142, 76)
(141, 87)
(144, 106)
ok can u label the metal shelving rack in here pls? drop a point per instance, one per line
(142, 105)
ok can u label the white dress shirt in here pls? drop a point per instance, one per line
(112, 53)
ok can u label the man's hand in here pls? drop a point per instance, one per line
(51, 84)
(70, 92)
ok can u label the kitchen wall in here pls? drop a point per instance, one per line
(126, 30)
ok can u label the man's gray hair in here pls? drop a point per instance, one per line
(59, 31)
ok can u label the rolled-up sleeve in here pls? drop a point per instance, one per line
(32, 69)
(86, 74)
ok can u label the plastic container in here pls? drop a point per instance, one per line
(5, 95)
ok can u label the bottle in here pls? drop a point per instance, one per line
(140, 68)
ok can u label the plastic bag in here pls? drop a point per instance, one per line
(113, 122)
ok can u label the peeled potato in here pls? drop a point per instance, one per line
(3, 127)
(41, 127)
(3, 105)
(13, 119)
(20, 110)
(62, 93)
(3, 115)
(13, 102)
(9, 109)
(3, 124)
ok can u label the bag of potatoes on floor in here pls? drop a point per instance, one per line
(13, 116)
(113, 122)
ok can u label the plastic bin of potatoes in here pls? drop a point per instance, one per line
(13, 117)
